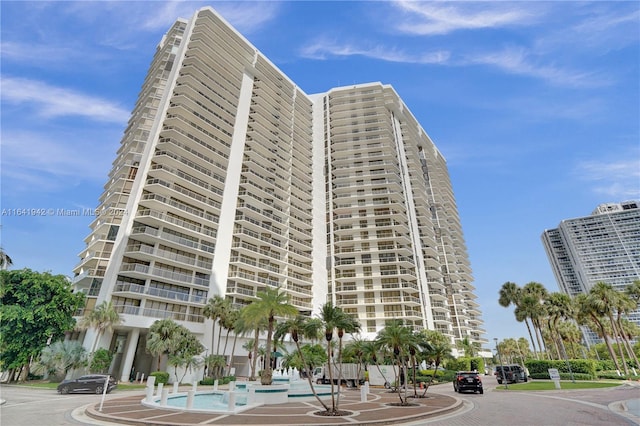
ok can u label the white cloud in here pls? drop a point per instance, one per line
(41, 160)
(52, 101)
(617, 179)
(322, 49)
(435, 18)
(520, 61)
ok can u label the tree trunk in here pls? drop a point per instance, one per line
(309, 378)
(533, 343)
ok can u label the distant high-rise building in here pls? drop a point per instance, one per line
(230, 179)
(602, 247)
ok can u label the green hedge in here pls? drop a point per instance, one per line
(538, 369)
(209, 381)
(161, 377)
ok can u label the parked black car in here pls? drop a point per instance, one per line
(93, 383)
(510, 373)
(467, 380)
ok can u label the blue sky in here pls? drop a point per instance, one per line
(535, 105)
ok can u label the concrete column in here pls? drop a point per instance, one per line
(132, 344)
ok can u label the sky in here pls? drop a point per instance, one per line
(535, 106)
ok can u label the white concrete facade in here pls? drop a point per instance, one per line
(225, 178)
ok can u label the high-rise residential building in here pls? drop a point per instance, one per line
(230, 179)
(602, 247)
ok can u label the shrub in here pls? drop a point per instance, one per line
(161, 377)
(101, 361)
(209, 381)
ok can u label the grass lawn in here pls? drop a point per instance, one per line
(564, 385)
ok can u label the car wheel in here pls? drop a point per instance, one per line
(99, 389)
(499, 382)
(64, 390)
(481, 391)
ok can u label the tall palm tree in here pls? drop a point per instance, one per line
(438, 350)
(588, 311)
(162, 338)
(333, 317)
(271, 303)
(398, 338)
(370, 351)
(606, 299)
(214, 311)
(301, 327)
(228, 323)
(511, 294)
(559, 306)
(102, 317)
(533, 296)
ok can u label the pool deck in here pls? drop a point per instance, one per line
(377, 410)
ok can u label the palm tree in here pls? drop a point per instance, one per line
(271, 303)
(214, 310)
(162, 338)
(606, 299)
(511, 294)
(559, 306)
(5, 260)
(102, 317)
(533, 296)
(301, 327)
(333, 317)
(370, 351)
(228, 322)
(398, 338)
(469, 348)
(438, 350)
(61, 357)
(624, 306)
(589, 310)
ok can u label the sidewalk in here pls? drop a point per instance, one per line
(376, 411)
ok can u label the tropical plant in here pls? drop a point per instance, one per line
(589, 312)
(511, 294)
(163, 338)
(100, 361)
(61, 357)
(559, 306)
(35, 308)
(303, 327)
(334, 318)
(438, 350)
(271, 303)
(400, 340)
(215, 310)
(533, 296)
(102, 317)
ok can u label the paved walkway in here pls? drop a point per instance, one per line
(435, 409)
(376, 411)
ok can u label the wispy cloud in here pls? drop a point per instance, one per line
(617, 179)
(52, 101)
(520, 61)
(323, 49)
(41, 160)
(435, 18)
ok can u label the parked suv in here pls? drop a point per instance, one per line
(93, 383)
(467, 380)
(510, 373)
